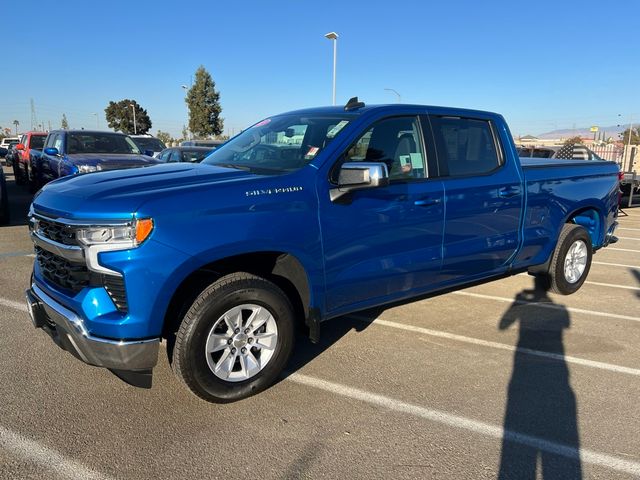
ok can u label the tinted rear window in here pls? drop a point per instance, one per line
(466, 146)
(37, 142)
(153, 144)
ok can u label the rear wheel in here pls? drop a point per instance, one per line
(17, 173)
(571, 260)
(235, 339)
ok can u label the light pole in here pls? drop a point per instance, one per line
(98, 121)
(135, 129)
(392, 90)
(186, 94)
(333, 36)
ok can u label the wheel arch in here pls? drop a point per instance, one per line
(592, 219)
(282, 268)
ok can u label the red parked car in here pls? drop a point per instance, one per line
(22, 168)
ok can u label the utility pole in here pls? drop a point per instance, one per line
(34, 120)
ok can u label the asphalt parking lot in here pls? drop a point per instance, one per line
(495, 380)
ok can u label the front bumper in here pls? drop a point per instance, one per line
(68, 331)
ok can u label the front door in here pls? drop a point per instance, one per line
(385, 242)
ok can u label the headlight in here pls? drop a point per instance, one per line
(87, 168)
(123, 236)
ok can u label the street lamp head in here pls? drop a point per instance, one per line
(331, 36)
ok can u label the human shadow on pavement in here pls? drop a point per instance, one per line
(636, 274)
(541, 411)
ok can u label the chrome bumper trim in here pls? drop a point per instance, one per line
(68, 330)
(68, 252)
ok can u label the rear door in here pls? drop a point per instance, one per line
(483, 196)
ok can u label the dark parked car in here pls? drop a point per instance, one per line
(184, 154)
(11, 158)
(4, 200)
(202, 143)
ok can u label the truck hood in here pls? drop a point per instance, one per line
(119, 193)
(109, 161)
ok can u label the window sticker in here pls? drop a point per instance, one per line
(313, 151)
(336, 129)
(263, 122)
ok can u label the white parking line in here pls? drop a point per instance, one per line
(45, 457)
(500, 346)
(475, 426)
(616, 264)
(600, 284)
(628, 238)
(612, 285)
(15, 305)
(632, 229)
(551, 306)
(621, 250)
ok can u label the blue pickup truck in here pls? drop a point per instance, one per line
(68, 152)
(301, 218)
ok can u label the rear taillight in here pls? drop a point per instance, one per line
(620, 176)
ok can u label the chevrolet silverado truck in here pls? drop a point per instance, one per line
(69, 152)
(303, 217)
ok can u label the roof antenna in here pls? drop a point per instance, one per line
(353, 104)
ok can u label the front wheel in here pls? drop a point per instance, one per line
(235, 339)
(571, 260)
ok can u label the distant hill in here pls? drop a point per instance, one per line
(583, 132)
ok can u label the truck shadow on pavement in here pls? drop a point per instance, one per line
(540, 422)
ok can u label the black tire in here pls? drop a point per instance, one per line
(557, 281)
(17, 173)
(33, 178)
(189, 361)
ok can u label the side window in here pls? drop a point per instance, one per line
(174, 156)
(466, 146)
(49, 142)
(164, 155)
(394, 141)
(57, 142)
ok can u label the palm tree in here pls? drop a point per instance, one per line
(16, 123)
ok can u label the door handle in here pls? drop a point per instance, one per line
(427, 202)
(508, 192)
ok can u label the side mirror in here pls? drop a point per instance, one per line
(19, 146)
(358, 176)
(51, 151)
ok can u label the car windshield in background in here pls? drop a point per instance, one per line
(279, 144)
(37, 141)
(100, 143)
(195, 155)
(152, 144)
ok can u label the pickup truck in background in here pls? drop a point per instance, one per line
(29, 142)
(370, 205)
(68, 152)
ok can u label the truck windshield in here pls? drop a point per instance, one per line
(279, 144)
(149, 143)
(37, 141)
(100, 143)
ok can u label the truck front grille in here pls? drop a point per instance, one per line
(60, 272)
(57, 232)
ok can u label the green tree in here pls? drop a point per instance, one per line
(64, 124)
(573, 141)
(120, 117)
(165, 137)
(204, 106)
(635, 136)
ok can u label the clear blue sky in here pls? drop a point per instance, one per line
(542, 64)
